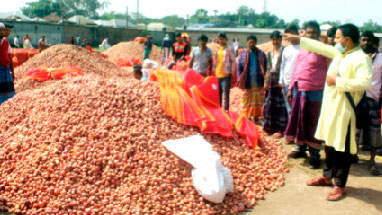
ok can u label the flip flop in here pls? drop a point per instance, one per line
(319, 181)
(336, 194)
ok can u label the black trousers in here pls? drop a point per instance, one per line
(224, 88)
(337, 164)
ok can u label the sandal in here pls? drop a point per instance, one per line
(336, 194)
(319, 181)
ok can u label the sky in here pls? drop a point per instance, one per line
(355, 11)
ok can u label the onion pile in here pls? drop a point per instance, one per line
(128, 50)
(90, 145)
(235, 99)
(63, 56)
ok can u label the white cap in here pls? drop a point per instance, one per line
(2, 25)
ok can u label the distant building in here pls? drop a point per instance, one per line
(115, 23)
(156, 26)
(53, 17)
(14, 16)
(81, 20)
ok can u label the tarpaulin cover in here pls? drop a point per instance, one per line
(127, 62)
(140, 39)
(44, 74)
(89, 48)
(191, 99)
(20, 56)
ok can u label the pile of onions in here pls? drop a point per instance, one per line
(65, 56)
(89, 145)
(128, 50)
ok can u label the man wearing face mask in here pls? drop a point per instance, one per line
(371, 132)
(307, 85)
(350, 71)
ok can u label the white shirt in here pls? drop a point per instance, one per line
(236, 46)
(376, 79)
(16, 41)
(289, 56)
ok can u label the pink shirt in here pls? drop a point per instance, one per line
(309, 71)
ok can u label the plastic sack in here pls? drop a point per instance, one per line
(150, 64)
(211, 179)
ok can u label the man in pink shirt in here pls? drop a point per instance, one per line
(307, 86)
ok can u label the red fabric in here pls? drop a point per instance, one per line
(191, 99)
(4, 58)
(44, 74)
(20, 56)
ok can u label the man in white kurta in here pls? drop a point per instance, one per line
(350, 71)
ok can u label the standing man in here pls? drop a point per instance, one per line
(42, 44)
(166, 44)
(7, 75)
(275, 113)
(307, 85)
(288, 60)
(187, 40)
(251, 68)
(236, 47)
(202, 58)
(371, 133)
(16, 41)
(350, 71)
(148, 45)
(224, 67)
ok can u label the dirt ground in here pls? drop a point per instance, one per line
(364, 193)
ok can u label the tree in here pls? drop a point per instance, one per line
(112, 15)
(43, 8)
(295, 22)
(64, 8)
(86, 8)
(200, 16)
(371, 26)
(174, 21)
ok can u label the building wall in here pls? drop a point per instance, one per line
(242, 36)
(60, 33)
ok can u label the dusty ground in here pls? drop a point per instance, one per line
(364, 193)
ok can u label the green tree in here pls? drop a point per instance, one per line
(371, 26)
(294, 22)
(200, 16)
(43, 8)
(86, 8)
(112, 15)
(243, 13)
(260, 23)
(174, 21)
(65, 8)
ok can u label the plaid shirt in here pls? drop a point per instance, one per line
(229, 64)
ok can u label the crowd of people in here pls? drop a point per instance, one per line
(315, 95)
(311, 92)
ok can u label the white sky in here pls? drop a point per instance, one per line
(356, 11)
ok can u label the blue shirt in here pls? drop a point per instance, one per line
(201, 60)
(252, 68)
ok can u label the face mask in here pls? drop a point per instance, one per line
(340, 48)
